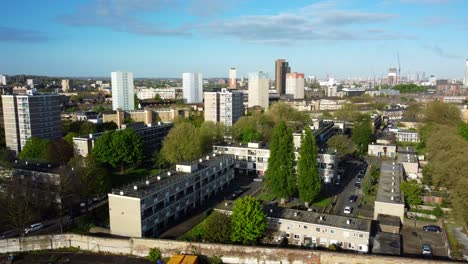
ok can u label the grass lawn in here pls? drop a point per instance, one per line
(133, 174)
(266, 196)
(454, 246)
(322, 202)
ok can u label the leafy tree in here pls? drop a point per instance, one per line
(412, 191)
(280, 172)
(35, 149)
(216, 260)
(413, 112)
(136, 101)
(69, 137)
(218, 228)
(347, 113)
(197, 119)
(154, 255)
(120, 147)
(182, 143)
(87, 128)
(463, 130)
(308, 180)
(106, 126)
(343, 145)
(248, 220)
(89, 178)
(370, 183)
(210, 133)
(59, 151)
(441, 113)
(409, 88)
(362, 133)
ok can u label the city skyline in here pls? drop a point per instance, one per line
(157, 38)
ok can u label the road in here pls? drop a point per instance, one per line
(347, 188)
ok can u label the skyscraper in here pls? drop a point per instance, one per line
(465, 81)
(258, 89)
(295, 85)
(122, 91)
(224, 107)
(28, 116)
(232, 78)
(30, 83)
(65, 86)
(281, 69)
(192, 84)
(3, 80)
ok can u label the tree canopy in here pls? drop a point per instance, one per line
(182, 143)
(410, 88)
(35, 149)
(248, 221)
(343, 145)
(362, 133)
(412, 191)
(280, 178)
(308, 180)
(120, 147)
(91, 178)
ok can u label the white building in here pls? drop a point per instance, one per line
(122, 91)
(295, 85)
(171, 93)
(224, 107)
(465, 81)
(192, 84)
(258, 89)
(3, 80)
(65, 86)
(232, 78)
(331, 91)
(30, 83)
(407, 136)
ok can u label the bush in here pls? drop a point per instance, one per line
(437, 211)
(154, 255)
(216, 260)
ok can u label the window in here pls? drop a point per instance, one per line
(291, 225)
(325, 230)
(317, 229)
(287, 235)
(332, 231)
(361, 235)
(305, 227)
(296, 236)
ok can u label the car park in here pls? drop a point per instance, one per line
(348, 210)
(432, 228)
(353, 198)
(34, 228)
(8, 234)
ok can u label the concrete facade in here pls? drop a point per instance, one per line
(258, 90)
(281, 69)
(407, 136)
(232, 78)
(28, 116)
(172, 93)
(382, 150)
(224, 107)
(147, 207)
(122, 91)
(192, 85)
(295, 85)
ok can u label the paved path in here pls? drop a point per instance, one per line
(462, 239)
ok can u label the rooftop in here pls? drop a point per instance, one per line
(387, 244)
(407, 157)
(391, 174)
(153, 183)
(310, 217)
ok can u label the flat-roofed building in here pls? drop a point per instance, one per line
(148, 207)
(224, 107)
(407, 136)
(171, 93)
(390, 199)
(151, 134)
(306, 228)
(408, 157)
(382, 150)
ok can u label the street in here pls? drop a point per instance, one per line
(347, 188)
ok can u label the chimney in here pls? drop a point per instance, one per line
(226, 204)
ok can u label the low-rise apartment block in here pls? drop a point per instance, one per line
(389, 199)
(408, 157)
(148, 207)
(172, 93)
(151, 134)
(314, 229)
(407, 136)
(382, 150)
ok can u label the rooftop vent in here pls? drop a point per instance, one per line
(321, 218)
(158, 178)
(168, 173)
(393, 183)
(295, 213)
(392, 198)
(147, 182)
(135, 187)
(226, 204)
(271, 210)
(159, 123)
(207, 157)
(214, 154)
(200, 160)
(348, 221)
(121, 193)
(393, 190)
(393, 177)
(394, 164)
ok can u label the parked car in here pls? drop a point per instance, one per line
(432, 228)
(357, 184)
(348, 210)
(8, 234)
(258, 179)
(353, 198)
(34, 228)
(426, 250)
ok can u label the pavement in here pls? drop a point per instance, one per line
(415, 237)
(462, 239)
(347, 188)
(75, 258)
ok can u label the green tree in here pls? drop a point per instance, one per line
(218, 228)
(120, 147)
(69, 137)
(412, 191)
(248, 220)
(343, 145)
(136, 101)
(87, 128)
(280, 172)
(347, 113)
(182, 143)
(89, 178)
(362, 133)
(308, 180)
(35, 149)
(463, 130)
(210, 133)
(59, 151)
(154, 255)
(442, 113)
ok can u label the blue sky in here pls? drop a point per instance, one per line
(163, 38)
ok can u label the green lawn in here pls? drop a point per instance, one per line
(322, 202)
(266, 196)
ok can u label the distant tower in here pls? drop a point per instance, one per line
(465, 81)
(122, 91)
(232, 78)
(392, 77)
(295, 85)
(65, 86)
(281, 69)
(192, 84)
(3, 80)
(258, 89)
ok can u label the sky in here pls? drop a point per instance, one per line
(164, 38)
